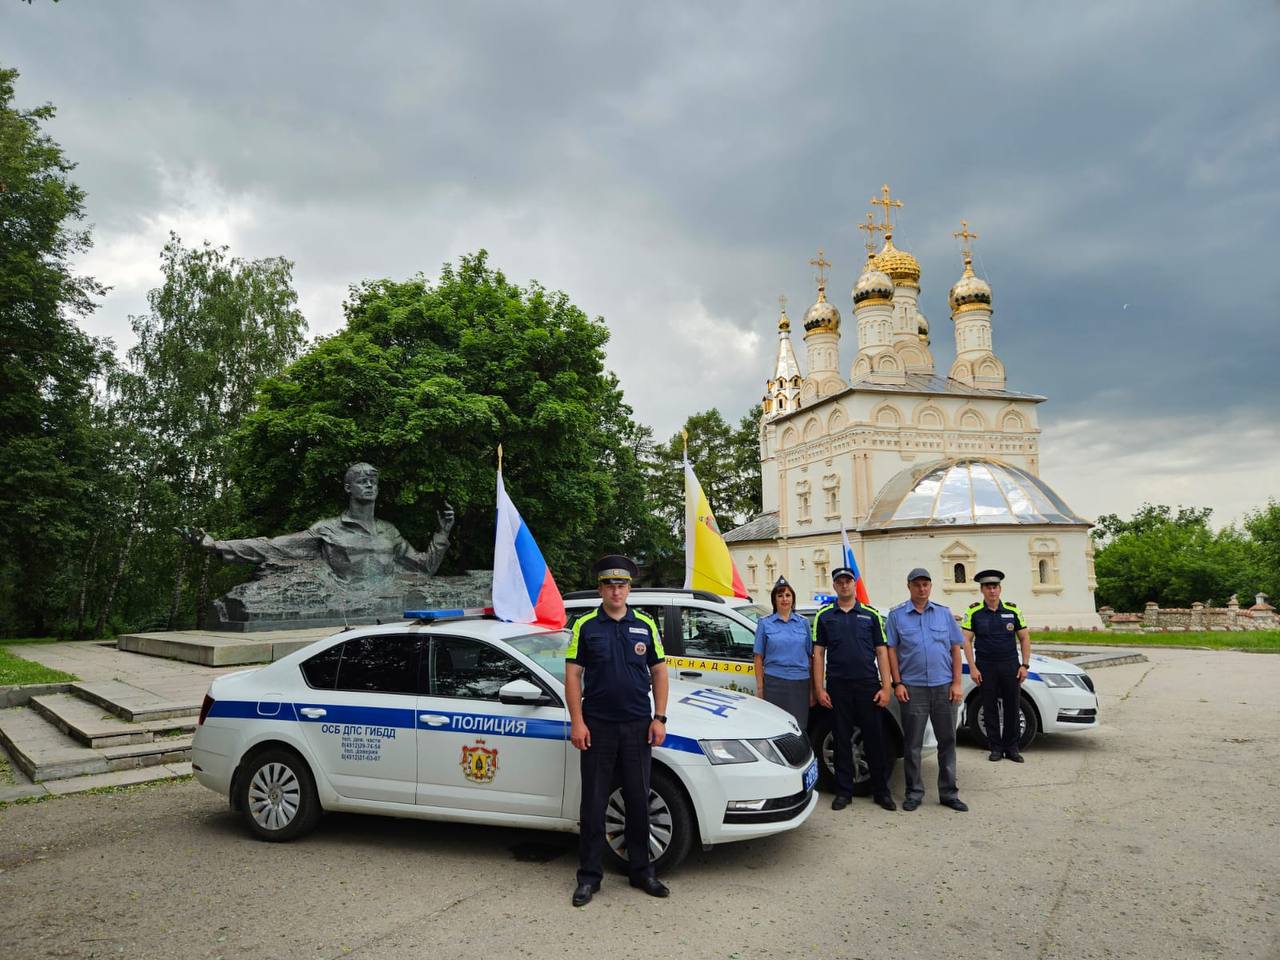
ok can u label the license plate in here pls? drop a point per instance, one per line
(811, 775)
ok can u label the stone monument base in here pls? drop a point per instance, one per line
(213, 649)
(306, 598)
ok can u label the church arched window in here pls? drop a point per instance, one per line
(1043, 571)
(958, 573)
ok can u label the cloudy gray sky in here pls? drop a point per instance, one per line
(673, 167)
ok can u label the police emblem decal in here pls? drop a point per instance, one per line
(479, 763)
(640, 649)
(1009, 626)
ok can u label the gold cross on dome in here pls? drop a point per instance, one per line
(821, 263)
(872, 229)
(965, 236)
(782, 302)
(885, 201)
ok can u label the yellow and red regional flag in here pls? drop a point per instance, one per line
(707, 564)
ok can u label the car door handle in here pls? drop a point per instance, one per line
(690, 673)
(312, 713)
(433, 719)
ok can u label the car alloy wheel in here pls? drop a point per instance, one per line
(277, 795)
(670, 824)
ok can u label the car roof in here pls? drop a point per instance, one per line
(480, 628)
(582, 598)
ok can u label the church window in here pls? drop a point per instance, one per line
(831, 490)
(802, 501)
(1012, 423)
(812, 429)
(887, 416)
(1046, 576)
(971, 420)
(820, 567)
(751, 569)
(957, 560)
(789, 437)
(770, 570)
(929, 418)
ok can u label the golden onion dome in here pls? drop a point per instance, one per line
(903, 269)
(873, 286)
(970, 292)
(822, 316)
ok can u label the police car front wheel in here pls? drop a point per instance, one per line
(1028, 726)
(670, 824)
(277, 795)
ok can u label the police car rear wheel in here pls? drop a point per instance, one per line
(278, 796)
(825, 737)
(670, 824)
(1027, 725)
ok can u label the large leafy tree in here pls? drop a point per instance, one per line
(218, 326)
(424, 382)
(1171, 557)
(48, 367)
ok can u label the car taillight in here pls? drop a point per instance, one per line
(204, 709)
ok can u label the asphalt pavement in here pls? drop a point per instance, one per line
(1155, 836)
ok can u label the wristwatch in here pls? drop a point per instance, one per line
(660, 717)
(1026, 666)
(898, 683)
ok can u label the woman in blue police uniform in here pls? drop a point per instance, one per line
(851, 678)
(783, 652)
(994, 629)
(616, 653)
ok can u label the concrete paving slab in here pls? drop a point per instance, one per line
(118, 778)
(87, 722)
(217, 649)
(136, 703)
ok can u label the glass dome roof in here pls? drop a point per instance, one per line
(963, 492)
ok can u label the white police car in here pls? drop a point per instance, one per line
(463, 719)
(1057, 697)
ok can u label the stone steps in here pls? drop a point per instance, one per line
(86, 722)
(132, 703)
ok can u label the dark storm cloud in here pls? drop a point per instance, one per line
(675, 167)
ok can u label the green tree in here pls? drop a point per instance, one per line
(48, 367)
(1263, 528)
(1171, 558)
(424, 382)
(218, 327)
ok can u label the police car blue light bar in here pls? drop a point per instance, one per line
(454, 614)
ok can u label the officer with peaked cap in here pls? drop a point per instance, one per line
(616, 653)
(994, 630)
(782, 653)
(851, 678)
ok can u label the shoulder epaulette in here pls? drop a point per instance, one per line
(1011, 605)
(975, 605)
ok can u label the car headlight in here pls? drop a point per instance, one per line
(767, 750)
(1056, 680)
(727, 751)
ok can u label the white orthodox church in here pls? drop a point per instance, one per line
(922, 469)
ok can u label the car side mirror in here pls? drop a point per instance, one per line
(522, 691)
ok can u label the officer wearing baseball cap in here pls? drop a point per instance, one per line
(994, 629)
(617, 653)
(851, 678)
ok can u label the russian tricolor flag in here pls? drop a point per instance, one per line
(852, 564)
(523, 589)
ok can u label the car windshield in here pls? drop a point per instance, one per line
(547, 650)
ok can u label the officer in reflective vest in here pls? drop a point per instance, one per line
(994, 630)
(614, 657)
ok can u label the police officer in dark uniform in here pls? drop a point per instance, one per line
(617, 655)
(850, 655)
(994, 629)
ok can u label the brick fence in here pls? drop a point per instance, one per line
(1260, 616)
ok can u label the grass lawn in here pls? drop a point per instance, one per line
(1253, 641)
(15, 670)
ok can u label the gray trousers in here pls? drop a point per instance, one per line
(930, 704)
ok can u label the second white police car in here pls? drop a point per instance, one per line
(464, 719)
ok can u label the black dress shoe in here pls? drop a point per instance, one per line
(651, 885)
(582, 893)
(910, 804)
(839, 803)
(886, 802)
(955, 803)
(995, 755)
(1015, 757)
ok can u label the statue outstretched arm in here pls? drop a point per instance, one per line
(428, 561)
(255, 550)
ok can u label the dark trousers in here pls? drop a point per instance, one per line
(619, 754)
(1000, 685)
(851, 701)
(930, 705)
